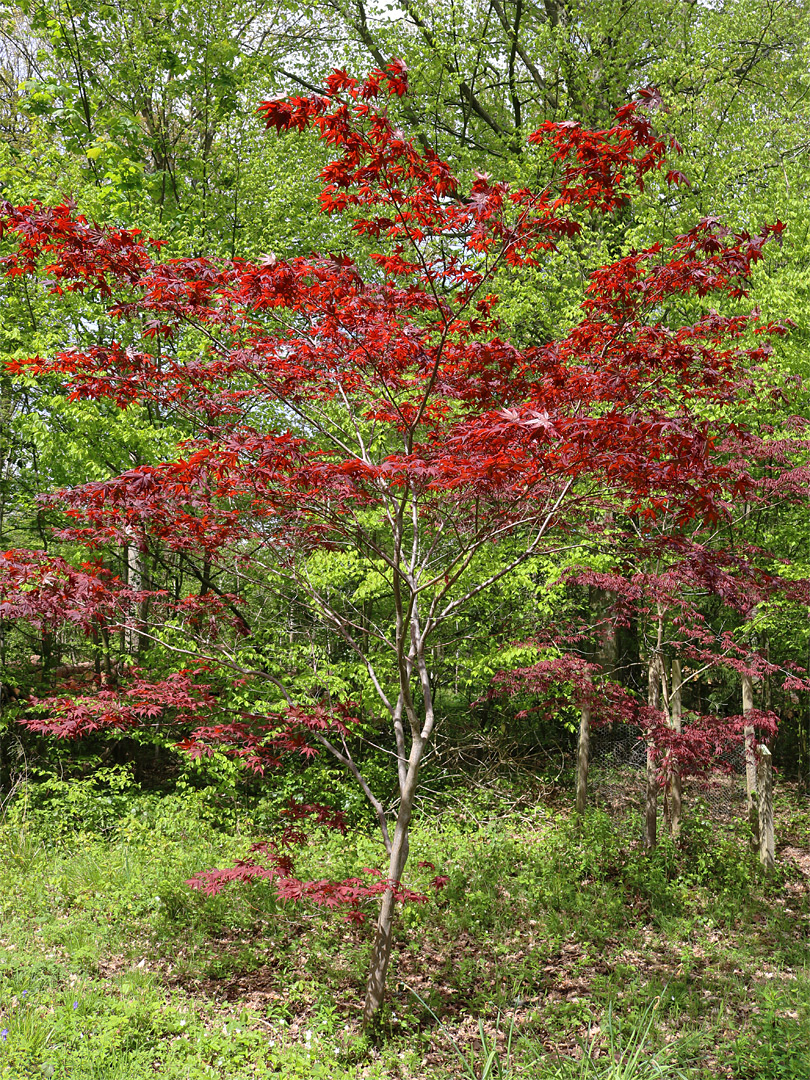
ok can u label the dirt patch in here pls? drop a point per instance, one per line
(800, 857)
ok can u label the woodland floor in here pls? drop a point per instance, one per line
(548, 935)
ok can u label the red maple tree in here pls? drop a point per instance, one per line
(383, 416)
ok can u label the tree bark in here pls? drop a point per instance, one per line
(134, 564)
(381, 952)
(605, 654)
(6, 413)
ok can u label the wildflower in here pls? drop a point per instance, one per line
(4, 1034)
(75, 1004)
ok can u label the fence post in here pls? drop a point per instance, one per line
(651, 786)
(583, 756)
(765, 807)
(750, 760)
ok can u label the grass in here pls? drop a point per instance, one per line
(555, 950)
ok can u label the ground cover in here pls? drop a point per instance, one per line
(548, 934)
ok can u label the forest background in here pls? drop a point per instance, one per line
(144, 116)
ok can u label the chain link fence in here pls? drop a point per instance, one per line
(617, 776)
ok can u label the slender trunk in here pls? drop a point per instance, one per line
(583, 757)
(46, 651)
(411, 659)
(381, 953)
(676, 720)
(96, 656)
(6, 412)
(132, 555)
(108, 669)
(205, 577)
(606, 652)
(750, 761)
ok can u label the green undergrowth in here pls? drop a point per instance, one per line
(547, 947)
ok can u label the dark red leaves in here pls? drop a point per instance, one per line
(273, 861)
(567, 680)
(81, 255)
(674, 176)
(277, 114)
(47, 591)
(705, 742)
(176, 701)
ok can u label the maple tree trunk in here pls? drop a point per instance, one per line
(381, 953)
(6, 412)
(605, 655)
(750, 761)
(109, 674)
(46, 651)
(134, 565)
(676, 719)
(606, 652)
(583, 757)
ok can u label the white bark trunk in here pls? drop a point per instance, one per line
(134, 581)
(381, 952)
